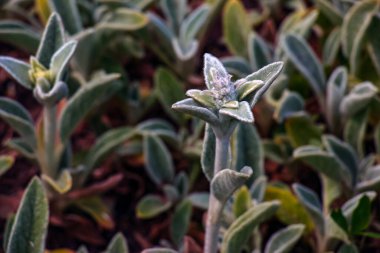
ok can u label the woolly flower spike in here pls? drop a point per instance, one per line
(226, 100)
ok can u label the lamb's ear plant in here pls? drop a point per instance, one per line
(223, 105)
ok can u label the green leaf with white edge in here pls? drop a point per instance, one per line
(301, 130)
(284, 240)
(18, 70)
(19, 35)
(124, 19)
(118, 244)
(373, 42)
(105, 144)
(266, 74)
(83, 101)
(7, 230)
(193, 24)
(82, 249)
(180, 221)
(234, 15)
(247, 88)
(242, 228)
(259, 53)
(248, 150)
(162, 32)
(290, 103)
(29, 228)
(258, 188)
(203, 97)
(212, 69)
(243, 113)
(159, 250)
(330, 11)
(199, 199)
(168, 90)
(370, 180)
(175, 11)
(344, 154)
(160, 128)
(291, 211)
(6, 162)
(355, 25)
(61, 58)
(62, 183)
(299, 22)
(348, 248)
(242, 201)
(208, 153)
(311, 202)
(336, 88)
(322, 162)
(350, 205)
(361, 217)
(68, 10)
(358, 98)
(331, 47)
(185, 52)
(19, 119)
(226, 181)
(354, 131)
(195, 109)
(158, 161)
(151, 205)
(305, 60)
(22, 146)
(53, 38)
(237, 66)
(233, 104)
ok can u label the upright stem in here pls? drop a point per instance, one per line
(215, 207)
(50, 128)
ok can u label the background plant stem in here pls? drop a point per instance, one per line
(50, 128)
(215, 206)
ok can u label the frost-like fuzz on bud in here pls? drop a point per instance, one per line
(223, 89)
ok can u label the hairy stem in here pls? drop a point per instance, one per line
(215, 207)
(50, 128)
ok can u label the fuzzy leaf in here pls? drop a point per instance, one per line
(208, 152)
(331, 46)
(284, 240)
(124, 19)
(22, 146)
(302, 131)
(243, 113)
(266, 74)
(62, 184)
(241, 229)
(53, 38)
(158, 161)
(321, 161)
(174, 11)
(248, 150)
(18, 118)
(358, 99)
(237, 66)
(61, 58)
(30, 225)
(236, 27)
(84, 100)
(248, 88)
(195, 109)
(226, 181)
(355, 25)
(354, 131)
(180, 221)
(203, 97)
(330, 11)
(169, 90)
(199, 199)
(6, 162)
(312, 204)
(211, 65)
(258, 51)
(290, 104)
(151, 206)
(19, 35)
(68, 10)
(258, 188)
(118, 244)
(361, 216)
(370, 180)
(350, 205)
(242, 201)
(305, 60)
(336, 88)
(18, 70)
(194, 23)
